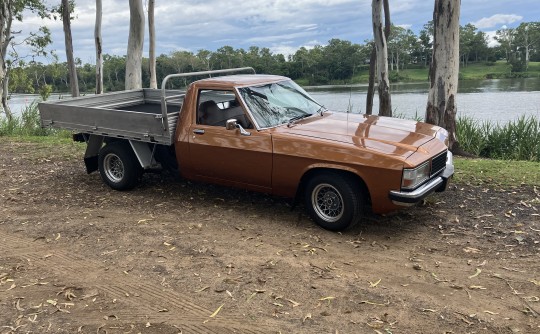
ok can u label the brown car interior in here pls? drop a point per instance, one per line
(210, 113)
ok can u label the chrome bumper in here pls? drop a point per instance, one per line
(437, 184)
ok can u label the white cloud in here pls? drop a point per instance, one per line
(404, 26)
(494, 20)
(490, 36)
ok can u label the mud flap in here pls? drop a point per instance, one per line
(91, 155)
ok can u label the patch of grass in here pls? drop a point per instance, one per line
(497, 172)
(43, 148)
(473, 71)
(28, 124)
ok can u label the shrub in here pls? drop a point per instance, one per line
(516, 140)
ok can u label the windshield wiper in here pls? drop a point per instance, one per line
(296, 118)
(321, 110)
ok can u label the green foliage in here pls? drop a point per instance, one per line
(45, 91)
(516, 140)
(28, 124)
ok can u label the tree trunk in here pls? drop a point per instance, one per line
(135, 45)
(99, 48)
(6, 19)
(444, 69)
(385, 103)
(66, 20)
(152, 41)
(371, 83)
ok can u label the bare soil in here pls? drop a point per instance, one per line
(173, 256)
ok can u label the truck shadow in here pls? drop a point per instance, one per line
(170, 192)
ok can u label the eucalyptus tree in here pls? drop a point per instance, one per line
(135, 45)
(99, 47)
(152, 44)
(66, 10)
(383, 87)
(15, 10)
(373, 57)
(444, 69)
(527, 40)
(400, 46)
(505, 36)
(425, 39)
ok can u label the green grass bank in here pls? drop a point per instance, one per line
(473, 71)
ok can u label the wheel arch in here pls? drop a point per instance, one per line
(341, 170)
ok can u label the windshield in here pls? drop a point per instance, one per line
(278, 103)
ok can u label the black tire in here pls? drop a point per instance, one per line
(334, 201)
(118, 166)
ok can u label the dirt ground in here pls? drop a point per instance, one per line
(176, 257)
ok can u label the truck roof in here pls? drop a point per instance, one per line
(243, 79)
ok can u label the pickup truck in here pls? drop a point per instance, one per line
(262, 133)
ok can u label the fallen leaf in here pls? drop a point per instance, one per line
(373, 285)
(251, 296)
(477, 287)
(213, 315)
(471, 250)
(478, 271)
(18, 306)
(294, 304)
(328, 298)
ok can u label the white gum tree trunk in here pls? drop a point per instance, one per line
(99, 48)
(152, 41)
(135, 45)
(444, 69)
(385, 103)
(66, 21)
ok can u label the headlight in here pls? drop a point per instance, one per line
(412, 177)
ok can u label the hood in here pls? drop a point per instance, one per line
(392, 136)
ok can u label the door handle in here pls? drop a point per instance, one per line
(198, 131)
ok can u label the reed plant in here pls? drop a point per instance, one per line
(515, 140)
(27, 124)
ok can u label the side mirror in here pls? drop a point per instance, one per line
(232, 124)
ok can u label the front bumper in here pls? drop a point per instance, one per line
(436, 184)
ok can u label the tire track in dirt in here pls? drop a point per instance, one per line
(141, 302)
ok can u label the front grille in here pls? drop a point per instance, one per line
(438, 163)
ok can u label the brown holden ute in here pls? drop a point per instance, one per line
(262, 133)
(265, 133)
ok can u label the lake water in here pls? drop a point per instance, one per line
(499, 100)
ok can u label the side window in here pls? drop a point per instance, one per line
(215, 107)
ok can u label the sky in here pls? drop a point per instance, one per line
(283, 26)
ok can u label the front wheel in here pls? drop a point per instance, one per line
(118, 166)
(333, 201)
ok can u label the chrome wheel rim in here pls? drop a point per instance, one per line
(327, 202)
(114, 167)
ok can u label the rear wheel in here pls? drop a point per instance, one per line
(118, 166)
(333, 201)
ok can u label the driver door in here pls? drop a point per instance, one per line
(224, 156)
